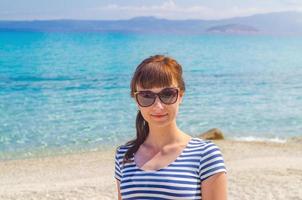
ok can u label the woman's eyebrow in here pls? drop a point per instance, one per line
(146, 90)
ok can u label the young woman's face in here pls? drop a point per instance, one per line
(159, 113)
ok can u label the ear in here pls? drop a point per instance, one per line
(181, 97)
(138, 108)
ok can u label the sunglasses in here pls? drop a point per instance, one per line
(147, 98)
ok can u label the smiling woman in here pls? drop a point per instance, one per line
(163, 162)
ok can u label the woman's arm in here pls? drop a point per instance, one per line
(118, 190)
(215, 187)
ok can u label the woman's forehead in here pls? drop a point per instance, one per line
(153, 89)
(156, 87)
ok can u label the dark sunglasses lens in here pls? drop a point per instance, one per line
(145, 99)
(168, 95)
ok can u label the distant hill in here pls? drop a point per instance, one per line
(271, 23)
(233, 28)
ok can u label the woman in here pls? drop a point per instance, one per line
(163, 162)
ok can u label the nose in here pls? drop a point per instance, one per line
(158, 104)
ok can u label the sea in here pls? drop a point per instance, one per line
(69, 92)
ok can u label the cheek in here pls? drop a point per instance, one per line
(173, 110)
(144, 113)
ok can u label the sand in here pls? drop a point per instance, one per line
(256, 170)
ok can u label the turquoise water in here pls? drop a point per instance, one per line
(63, 92)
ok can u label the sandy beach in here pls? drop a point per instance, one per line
(256, 170)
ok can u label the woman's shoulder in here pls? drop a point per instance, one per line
(202, 145)
(201, 142)
(122, 149)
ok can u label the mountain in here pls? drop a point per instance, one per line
(233, 28)
(271, 23)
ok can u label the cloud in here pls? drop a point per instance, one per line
(170, 10)
(167, 9)
(291, 3)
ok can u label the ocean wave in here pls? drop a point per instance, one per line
(260, 139)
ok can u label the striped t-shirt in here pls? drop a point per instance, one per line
(181, 179)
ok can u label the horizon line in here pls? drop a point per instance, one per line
(148, 16)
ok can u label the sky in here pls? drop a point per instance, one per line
(122, 9)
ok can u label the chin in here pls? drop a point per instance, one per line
(162, 123)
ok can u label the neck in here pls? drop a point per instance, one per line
(161, 136)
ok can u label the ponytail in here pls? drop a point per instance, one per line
(142, 131)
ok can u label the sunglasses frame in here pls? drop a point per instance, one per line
(157, 95)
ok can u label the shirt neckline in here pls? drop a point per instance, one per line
(167, 166)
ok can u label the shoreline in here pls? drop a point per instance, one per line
(63, 151)
(256, 170)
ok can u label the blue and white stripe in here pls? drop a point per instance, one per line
(179, 180)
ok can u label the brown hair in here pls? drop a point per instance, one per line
(155, 71)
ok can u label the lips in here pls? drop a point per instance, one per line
(159, 116)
